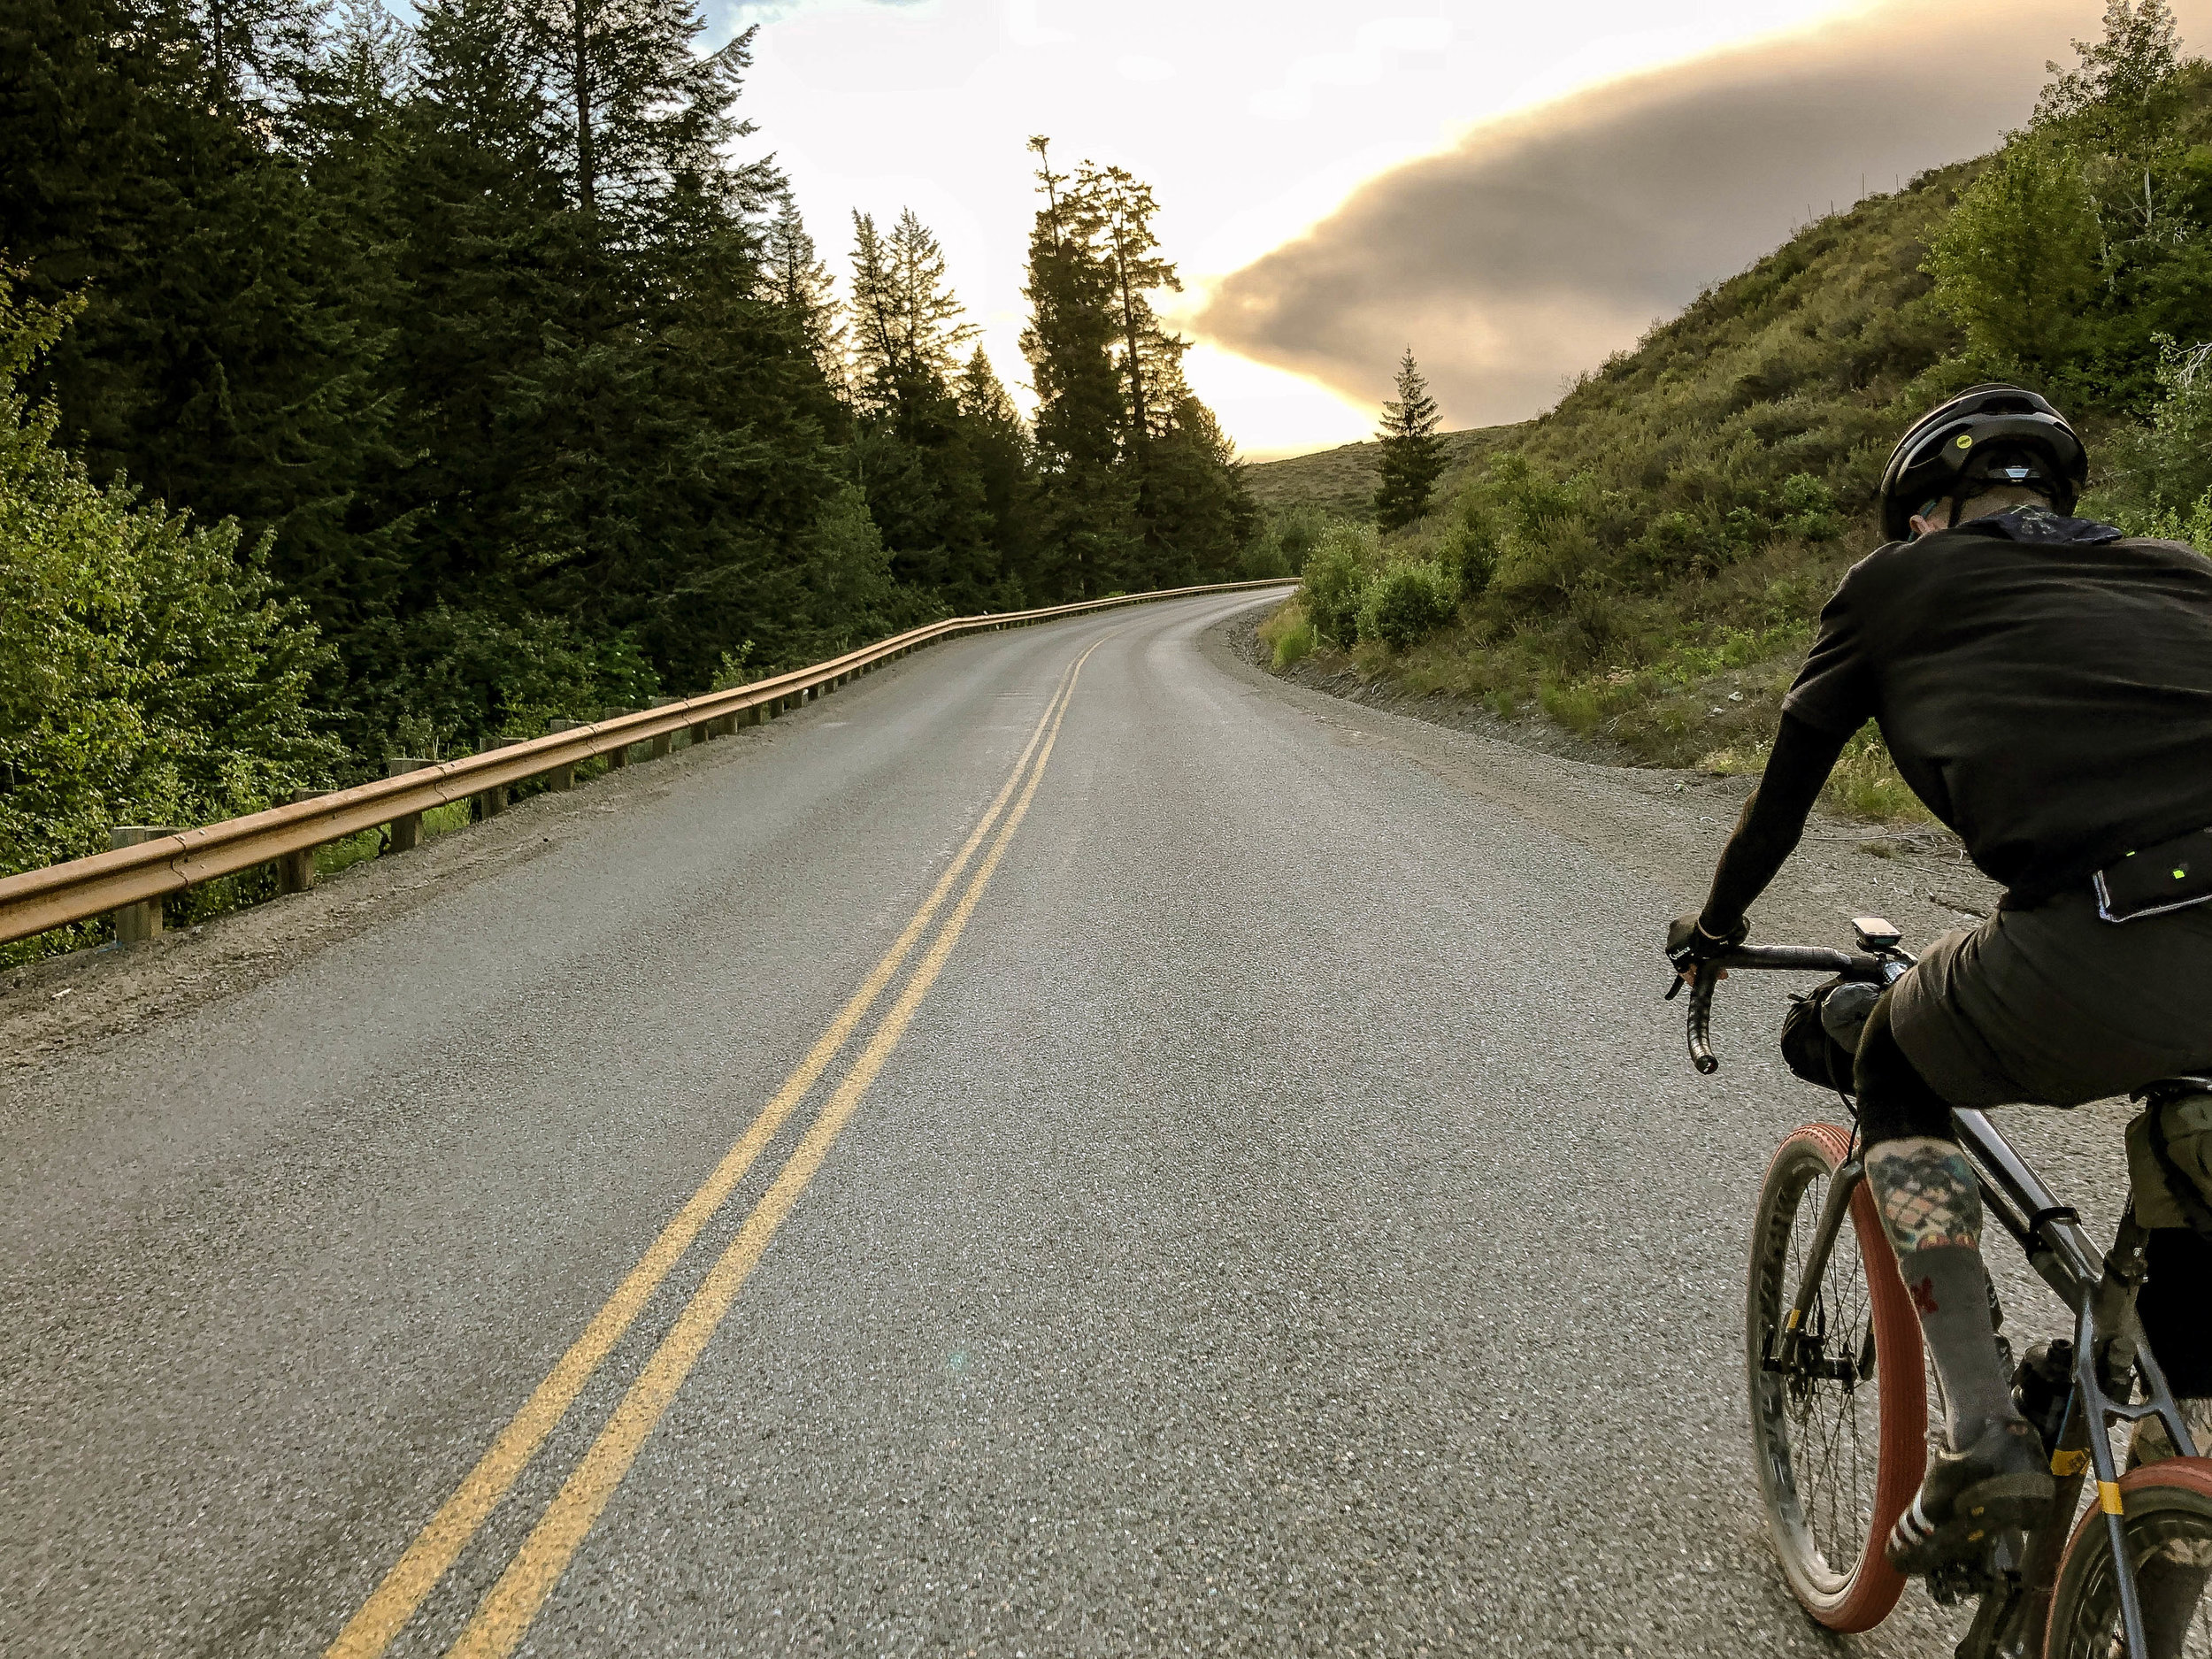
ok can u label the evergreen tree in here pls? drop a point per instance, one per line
(915, 453)
(906, 319)
(796, 280)
(1087, 504)
(1005, 462)
(216, 365)
(1412, 457)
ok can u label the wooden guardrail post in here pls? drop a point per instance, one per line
(406, 829)
(135, 924)
(562, 777)
(658, 748)
(617, 757)
(296, 871)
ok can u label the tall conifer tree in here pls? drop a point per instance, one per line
(914, 451)
(1412, 457)
(1087, 501)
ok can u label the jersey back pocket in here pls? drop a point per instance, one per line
(2170, 876)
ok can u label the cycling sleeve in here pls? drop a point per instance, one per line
(1772, 820)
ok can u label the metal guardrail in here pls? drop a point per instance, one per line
(82, 888)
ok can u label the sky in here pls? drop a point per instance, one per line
(1333, 178)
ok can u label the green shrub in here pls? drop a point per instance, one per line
(1808, 509)
(2161, 484)
(1336, 578)
(1406, 604)
(1288, 635)
(2018, 259)
(148, 674)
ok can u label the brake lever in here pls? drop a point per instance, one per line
(1675, 990)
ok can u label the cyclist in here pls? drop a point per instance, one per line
(2044, 683)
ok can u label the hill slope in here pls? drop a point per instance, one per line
(1342, 480)
(1647, 561)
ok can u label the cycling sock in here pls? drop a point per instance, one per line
(1932, 1211)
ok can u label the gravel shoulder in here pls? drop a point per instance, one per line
(1666, 825)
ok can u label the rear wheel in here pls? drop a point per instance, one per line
(2166, 1513)
(1839, 1431)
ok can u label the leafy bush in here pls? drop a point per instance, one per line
(2018, 259)
(147, 673)
(1808, 509)
(1336, 578)
(460, 680)
(1284, 541)
(1406, 604)
(2162, 483)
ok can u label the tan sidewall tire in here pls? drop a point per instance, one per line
(1871, 1590)
(2188, 1477)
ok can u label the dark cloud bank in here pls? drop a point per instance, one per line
(1547, 241)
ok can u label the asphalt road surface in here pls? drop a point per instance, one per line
(1184, 1171)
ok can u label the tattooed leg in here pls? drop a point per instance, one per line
(1932, 1211)
(1928, 1195)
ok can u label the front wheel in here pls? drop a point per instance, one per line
(1839, 1428)
(2166, 1515)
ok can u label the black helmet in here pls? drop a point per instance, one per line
(1986, 437)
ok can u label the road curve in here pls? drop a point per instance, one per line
(1256, 1212)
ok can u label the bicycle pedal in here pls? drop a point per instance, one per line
(1957, 1580)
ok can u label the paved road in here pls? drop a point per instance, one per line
(1275, 1221)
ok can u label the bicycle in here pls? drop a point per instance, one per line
(1832, 1339)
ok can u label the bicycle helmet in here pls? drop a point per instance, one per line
(1986, 437)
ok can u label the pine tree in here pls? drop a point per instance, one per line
(161, 164)
(1005, 462)
(913, 451)
(1122, 209)
(1190, 511)
(797, 281)
(1086, 503)
(906, 319)
(1412, 457)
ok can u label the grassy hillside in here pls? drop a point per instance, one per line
(1647, 561)
(1341, 481)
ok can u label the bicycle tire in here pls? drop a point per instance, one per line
(1831, 1553)
(2166, 1507)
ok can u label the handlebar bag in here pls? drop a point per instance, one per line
(1808, 1045)
(1820, 1033)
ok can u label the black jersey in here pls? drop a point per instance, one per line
(2044, 684)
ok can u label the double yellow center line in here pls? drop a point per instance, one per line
(505, 1613)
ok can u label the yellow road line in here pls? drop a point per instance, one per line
(371, 1630)
(506, 1613)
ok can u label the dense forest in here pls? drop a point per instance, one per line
(1643, 564)
(371, 388)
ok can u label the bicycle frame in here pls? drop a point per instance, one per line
(2110, 1352)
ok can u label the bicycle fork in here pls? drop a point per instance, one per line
(1782, 1351)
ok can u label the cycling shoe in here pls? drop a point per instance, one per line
(2000, 1481)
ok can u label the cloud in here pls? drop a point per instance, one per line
(1546, 240)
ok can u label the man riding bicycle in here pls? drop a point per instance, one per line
(2044, 684)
